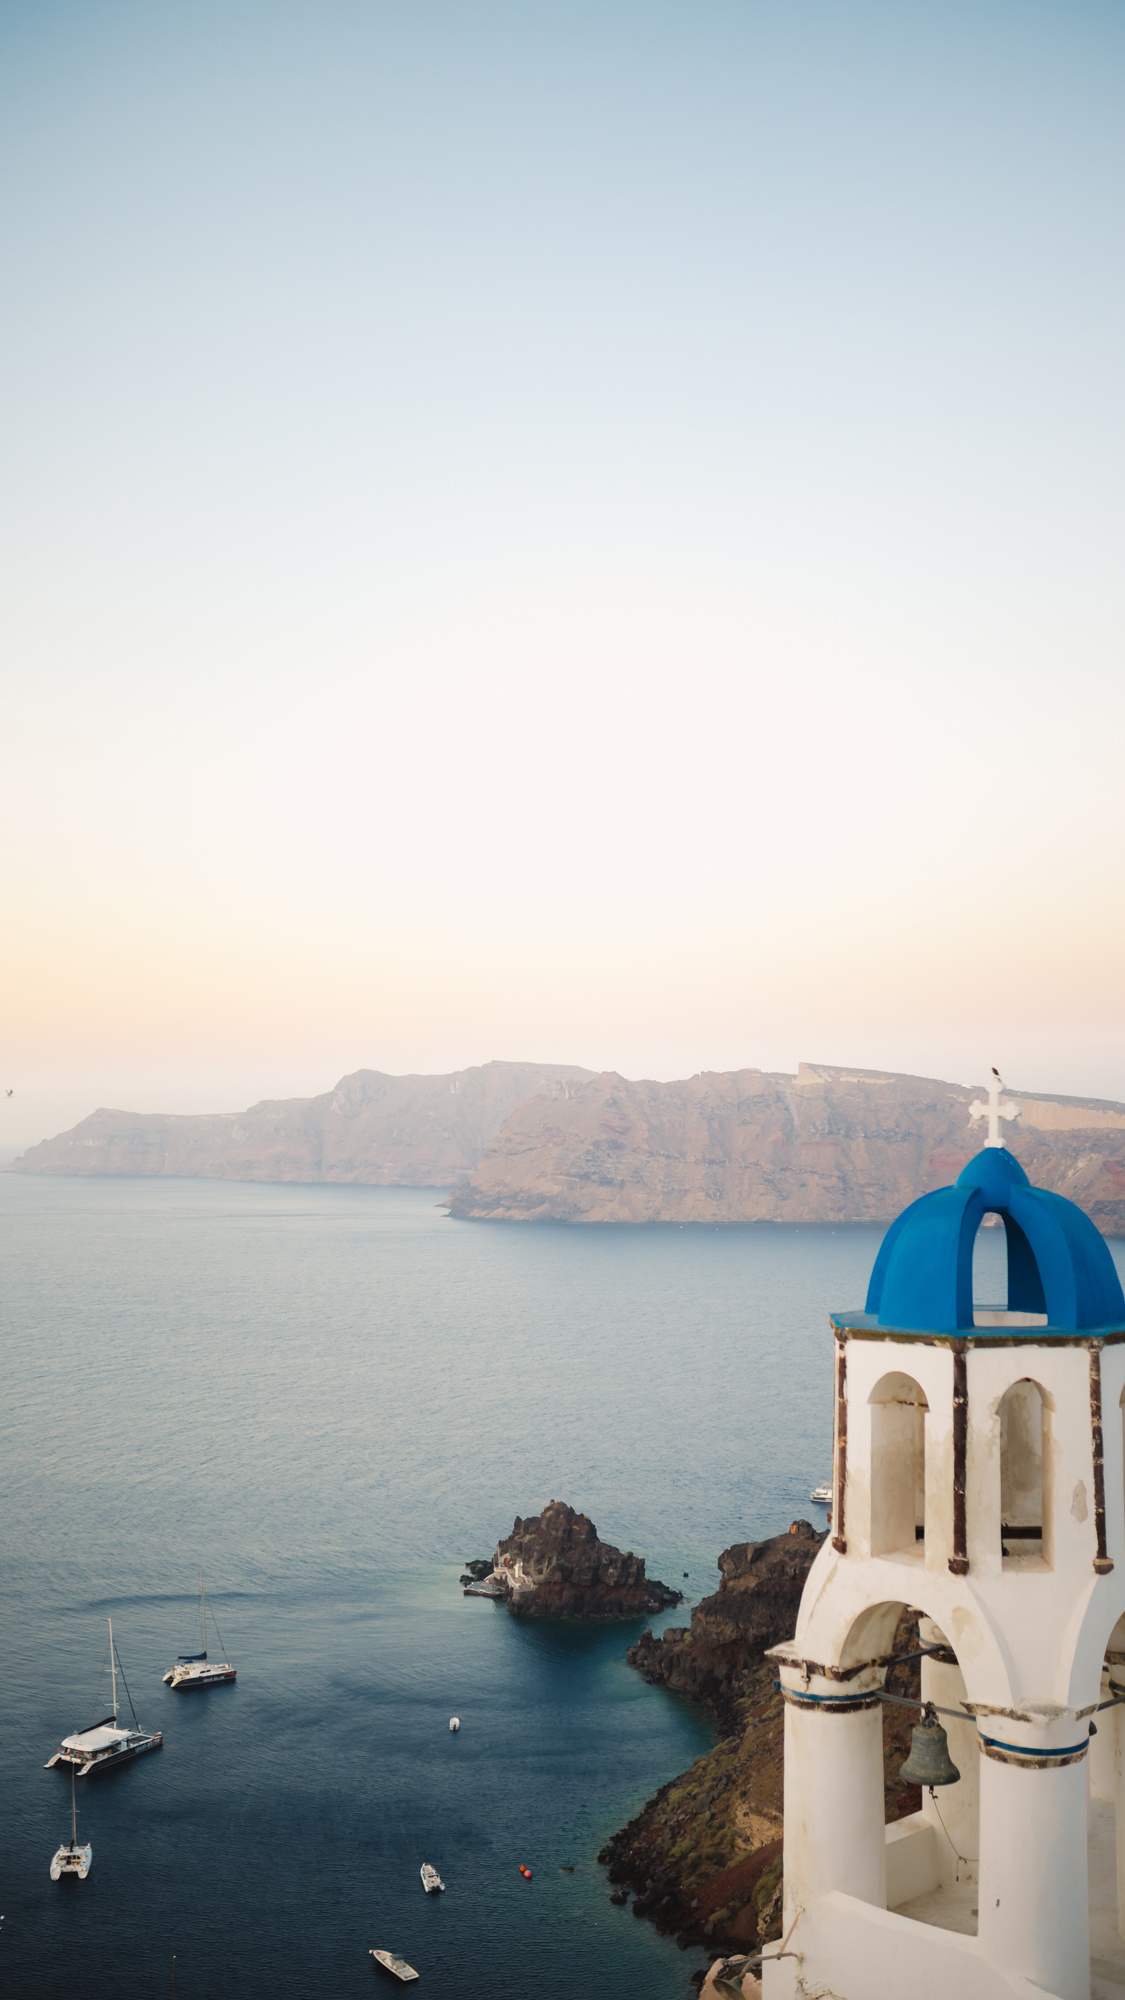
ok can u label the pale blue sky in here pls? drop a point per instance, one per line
(590, 531)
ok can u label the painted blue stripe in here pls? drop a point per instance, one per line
(826, 1700)
(1022, 1750)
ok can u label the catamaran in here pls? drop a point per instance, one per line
(105, 1745)
(70, 1859)
(195, 1670)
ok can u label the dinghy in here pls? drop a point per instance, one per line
(392, 1963)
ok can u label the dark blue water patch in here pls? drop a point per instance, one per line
(280, 1832)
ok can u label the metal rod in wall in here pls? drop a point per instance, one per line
(840, 1467)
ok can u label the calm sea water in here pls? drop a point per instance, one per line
(329, 1397)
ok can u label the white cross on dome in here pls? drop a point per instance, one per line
(996, 1109)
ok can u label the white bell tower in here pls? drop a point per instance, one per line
(978, 1478)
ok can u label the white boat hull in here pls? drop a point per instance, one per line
(186, 1678)
(398, 1967)
(105, 1760)
(71, 1861)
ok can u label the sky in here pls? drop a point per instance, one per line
(577, 531)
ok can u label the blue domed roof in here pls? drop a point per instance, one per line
(1058, 1264)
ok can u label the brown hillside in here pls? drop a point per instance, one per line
(826, 1145)
(412, 1131)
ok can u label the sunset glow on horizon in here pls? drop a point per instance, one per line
(578, 533)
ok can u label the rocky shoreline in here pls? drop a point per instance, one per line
(703, 1857)
(702, 1860)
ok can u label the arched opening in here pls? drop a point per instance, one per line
(1007, 1287)
(926, 1878)
(1024, 1461)
(898, 1467)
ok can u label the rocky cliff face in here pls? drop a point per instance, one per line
(826, 1145)
(413, 1131)
(755, 1607)
(704, 1855)
(554, 1566)
(554, 1143)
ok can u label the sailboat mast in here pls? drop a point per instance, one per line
(113, 1669)
(73, 1812)
(203, 1602)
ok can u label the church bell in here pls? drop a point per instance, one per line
(929, 1762)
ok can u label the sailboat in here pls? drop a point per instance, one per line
(70, 1859)
(105, 1745)
(195, 1670)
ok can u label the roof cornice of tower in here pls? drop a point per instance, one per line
(865, 1326)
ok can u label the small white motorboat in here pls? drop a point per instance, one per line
(70, 1859)
(392, 1963)
(454, 1724)
(822, 1494)
(431, 1880)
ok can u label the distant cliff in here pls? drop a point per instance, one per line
(412, 1131)
(826, 1145)
(549, 1142)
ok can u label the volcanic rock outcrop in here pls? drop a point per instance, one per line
(554, 1566)
(755, 1607)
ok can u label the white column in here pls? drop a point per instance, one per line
(834, 1821)
(1116, 1716)
(1034, 1891)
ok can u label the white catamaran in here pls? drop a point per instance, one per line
(195, 1670)
(70, 1859)
(106, 1744)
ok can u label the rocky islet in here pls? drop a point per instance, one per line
(555, 1565)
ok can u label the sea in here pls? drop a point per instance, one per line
(328, 1399)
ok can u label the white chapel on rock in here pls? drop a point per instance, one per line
(979, 1478)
